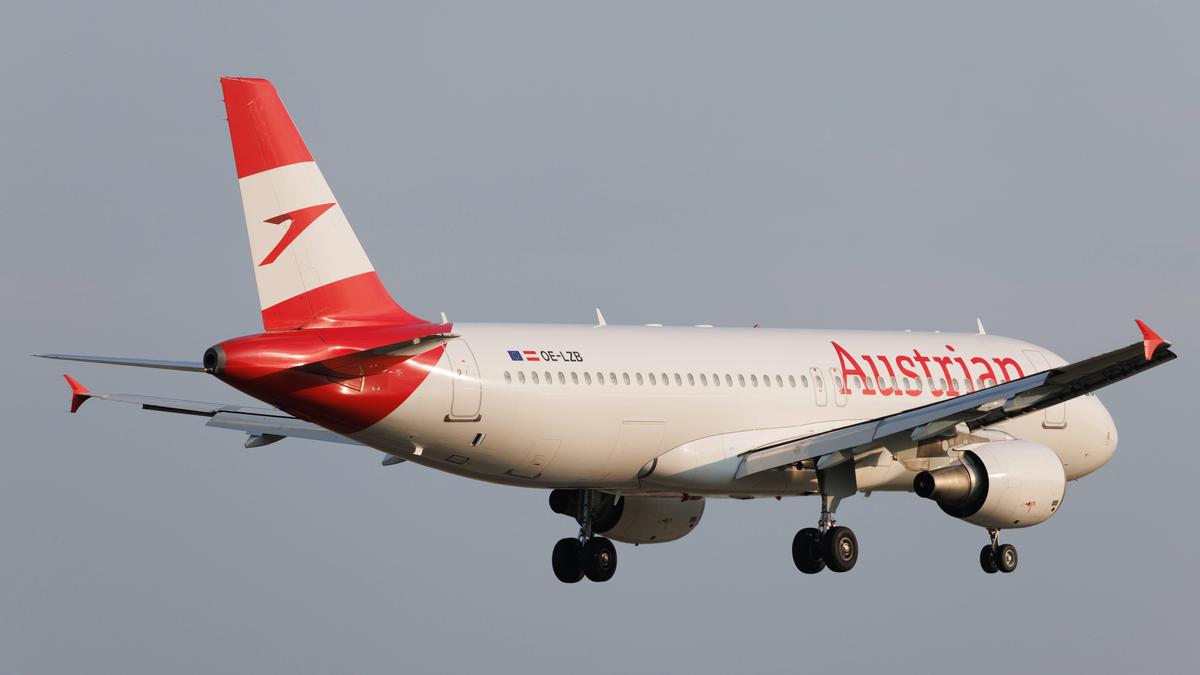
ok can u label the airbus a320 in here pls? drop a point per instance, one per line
(632, 429)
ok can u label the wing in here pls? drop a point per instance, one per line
(978, 409)
(262, 425)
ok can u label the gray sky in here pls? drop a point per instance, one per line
(784, 163)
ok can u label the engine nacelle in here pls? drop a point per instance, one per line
(1001, 484)
(634, 520)
(654, 520)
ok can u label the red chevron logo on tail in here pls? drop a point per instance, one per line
(300, 220)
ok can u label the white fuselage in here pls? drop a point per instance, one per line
(650, 409)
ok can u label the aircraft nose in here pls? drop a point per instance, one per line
(1104, 442)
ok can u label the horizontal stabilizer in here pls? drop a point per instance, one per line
(190, 366)
(255, 421)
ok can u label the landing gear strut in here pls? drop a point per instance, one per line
(828, 545)
(584, 555)
(997, 557)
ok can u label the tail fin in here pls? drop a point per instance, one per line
(310, 269)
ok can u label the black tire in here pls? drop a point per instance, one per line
(839, 549)
(1006, 558)
(806, 551)
(599, 559)
(988, 559)
(567, 560)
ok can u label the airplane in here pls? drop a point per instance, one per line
(633, 428)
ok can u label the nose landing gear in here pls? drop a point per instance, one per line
(997, 557)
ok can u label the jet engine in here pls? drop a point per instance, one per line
(1000, 484)
(635, 520)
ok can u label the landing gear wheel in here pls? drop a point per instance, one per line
(839, 549)
(1006, 558)
(599, 559)
(806, 551)
(567, 560)
(988, 559)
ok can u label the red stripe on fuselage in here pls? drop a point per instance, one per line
(325, 377)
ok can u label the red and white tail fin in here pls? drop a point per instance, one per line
(310, 268)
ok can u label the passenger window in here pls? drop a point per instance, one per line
(521, 377)
(691, 380)
(906, 384)
(626, 376)
(574, 377)
(954, 381)
(728, 380)
(666, 380)
(639, 379)
(942, 383)
(741, 380)
(779, 381)
(507, 377)
(587, 378)
(837, 381)
(652, 379)
(766, 381)
(612, 378)
(678, 380)
(804, 381)
(753, 380)
(534, 377)
(818, 381)
(703, 380)
(920, 384)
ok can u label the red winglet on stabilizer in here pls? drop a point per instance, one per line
(79, 393)
(1150, 339)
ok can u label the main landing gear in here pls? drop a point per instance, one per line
(827, 545)
(997, 557)
(585, 555)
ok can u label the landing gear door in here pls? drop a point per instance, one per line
(1056, 415)
(468, 390)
